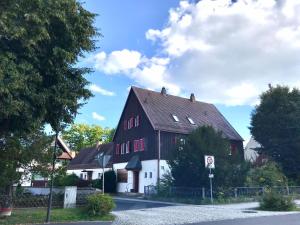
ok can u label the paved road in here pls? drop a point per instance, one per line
(131, 212)
(133, 204)
(139, 212)
(293, 219)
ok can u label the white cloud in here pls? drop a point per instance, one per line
(223, 52)
(100, 90)
(117, 61)
(97, 116)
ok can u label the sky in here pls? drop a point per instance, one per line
(226, 52)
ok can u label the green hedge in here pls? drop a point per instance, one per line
(99, 204)
(275, 202)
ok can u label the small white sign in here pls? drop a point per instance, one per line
(210, 175)
(209, 161)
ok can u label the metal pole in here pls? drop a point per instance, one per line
(103, 174)
(51, 176)
(211, 192)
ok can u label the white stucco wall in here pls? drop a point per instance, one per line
(95, 174)
(148, 166)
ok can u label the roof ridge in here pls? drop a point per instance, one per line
(175, 96)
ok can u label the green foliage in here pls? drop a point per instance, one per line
(189, 159)
(18, 151)
(275, 202)
(110, 182)
(165, 183)
(275, 125)
(80, 136)
(66, 180)
(98, 204)
(268, 175)
(38, 215)
(40, 43)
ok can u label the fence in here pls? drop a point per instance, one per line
(38, 197)
(235, 192)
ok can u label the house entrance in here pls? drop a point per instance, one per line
(136, 181)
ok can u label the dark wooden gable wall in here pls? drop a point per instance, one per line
(144, 130)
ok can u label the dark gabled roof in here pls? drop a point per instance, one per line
(85, 159)
(159, 109)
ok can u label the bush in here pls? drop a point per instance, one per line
(99, 204)
(66, 180)
(276, 202)
(268, 175)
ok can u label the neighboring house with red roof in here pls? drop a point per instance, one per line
(150, 126)
(35, 180)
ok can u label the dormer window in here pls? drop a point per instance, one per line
(191, 120)
(175, 118)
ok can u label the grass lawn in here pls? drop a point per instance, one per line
(38, 215)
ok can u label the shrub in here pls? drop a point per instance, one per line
(268, 175)
(98, 204)
(276, 202)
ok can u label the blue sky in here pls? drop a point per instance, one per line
(204, 47)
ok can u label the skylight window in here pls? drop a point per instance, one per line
(175, 118)
(191, 120)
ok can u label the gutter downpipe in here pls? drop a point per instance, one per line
(158, 160)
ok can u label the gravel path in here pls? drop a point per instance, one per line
(184, 214)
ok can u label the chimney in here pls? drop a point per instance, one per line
(163, 91)
(192, 98)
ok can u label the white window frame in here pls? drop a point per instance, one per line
(127, 147)
(191, 120)
(122, 148)
(175, 118)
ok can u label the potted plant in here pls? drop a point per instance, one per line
(5, 205)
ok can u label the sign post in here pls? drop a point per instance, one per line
(210, 164)
(103, 160)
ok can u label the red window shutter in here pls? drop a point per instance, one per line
(131, 122)
(125, 124)
(136, 145)
(233, 149)
(142, 144)
(117, 149)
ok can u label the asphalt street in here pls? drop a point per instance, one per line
(293, 219)
(139, 206)
(127, 204)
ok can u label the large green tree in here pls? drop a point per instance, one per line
(41, 83)
(21, 154)
(275, 124)
(189, 159)
(40, 43)
(80, 136)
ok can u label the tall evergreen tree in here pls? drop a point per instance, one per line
(40, 43)
(275, 124)
(188, 166)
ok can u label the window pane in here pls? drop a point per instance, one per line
(175, 118)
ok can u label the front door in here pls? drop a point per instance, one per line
(136, 181)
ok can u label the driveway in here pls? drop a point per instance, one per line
(137, 212)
